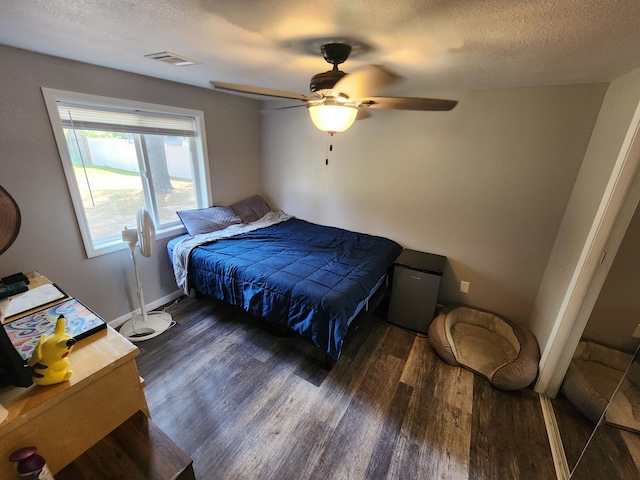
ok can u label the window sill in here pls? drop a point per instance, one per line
(117, 245)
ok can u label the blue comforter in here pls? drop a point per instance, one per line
(310, 278)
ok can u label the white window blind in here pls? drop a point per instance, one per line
(93, 117)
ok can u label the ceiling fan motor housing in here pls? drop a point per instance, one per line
(325, 80)
(335, 54)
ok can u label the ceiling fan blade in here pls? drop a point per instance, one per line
(363, 113)
(408, 103)
(286, 108)
(266, 92)
(366, 81)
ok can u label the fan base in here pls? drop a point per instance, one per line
(335, 53)
(136, 330)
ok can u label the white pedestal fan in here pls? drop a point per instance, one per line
(146, 325)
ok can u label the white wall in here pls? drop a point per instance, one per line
(485, 185)
(30, 169)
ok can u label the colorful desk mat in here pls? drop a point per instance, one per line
(80, 323)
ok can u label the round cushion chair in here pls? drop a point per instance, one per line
(486, 343)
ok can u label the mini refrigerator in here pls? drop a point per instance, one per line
(414, 291)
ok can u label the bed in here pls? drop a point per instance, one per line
(309, 278)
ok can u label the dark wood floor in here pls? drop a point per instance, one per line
(248, 403)
(575, 429)
(611, 453)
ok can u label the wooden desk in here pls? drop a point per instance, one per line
(65, 420)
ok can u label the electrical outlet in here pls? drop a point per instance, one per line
(464, 286)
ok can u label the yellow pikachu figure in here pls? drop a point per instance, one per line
(49, 359)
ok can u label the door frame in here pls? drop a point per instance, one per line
(612, 218)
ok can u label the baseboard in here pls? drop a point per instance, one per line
(555, 441)
(118, 322)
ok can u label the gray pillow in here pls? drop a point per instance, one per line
(251, 209)
(205, 220)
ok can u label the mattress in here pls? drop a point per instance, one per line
(310, 278)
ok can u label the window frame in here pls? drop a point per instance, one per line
(201, 181)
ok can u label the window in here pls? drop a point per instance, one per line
(120, 155)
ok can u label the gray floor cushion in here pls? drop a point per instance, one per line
(486, 343)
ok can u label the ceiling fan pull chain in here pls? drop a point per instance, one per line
(326, 160)
(329, 148)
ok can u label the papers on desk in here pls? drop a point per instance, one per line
(34, 298)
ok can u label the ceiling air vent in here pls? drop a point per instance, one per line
(172, 58)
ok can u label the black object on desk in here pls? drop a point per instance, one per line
(414, 293)
(12, 289)
(16, 277)
(13, 369)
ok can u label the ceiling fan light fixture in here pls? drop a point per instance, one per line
(333, 118)
(338, 98)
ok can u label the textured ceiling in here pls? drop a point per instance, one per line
(436, 44)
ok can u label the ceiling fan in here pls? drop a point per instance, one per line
(338, 98)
